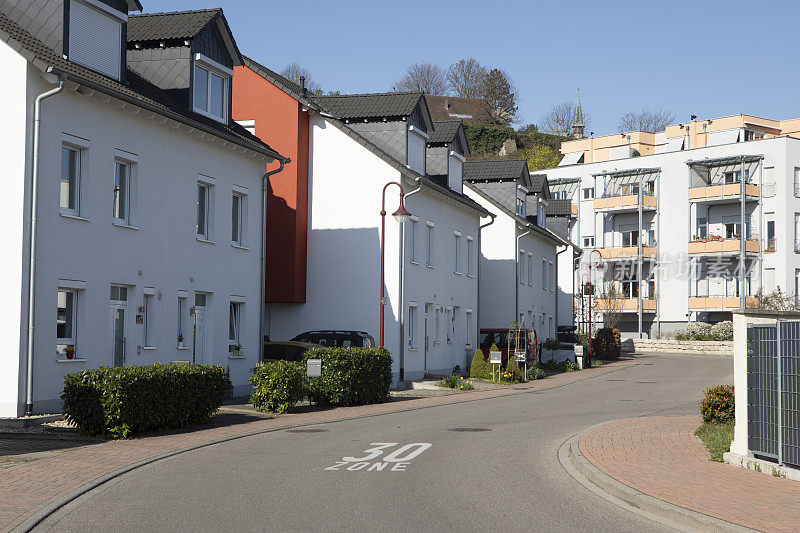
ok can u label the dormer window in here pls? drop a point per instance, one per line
(521, 207)
(95, 37)
(211, 88)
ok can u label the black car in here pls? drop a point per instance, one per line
(339, 338)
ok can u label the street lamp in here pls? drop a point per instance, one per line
(591, 293)
(401, 215)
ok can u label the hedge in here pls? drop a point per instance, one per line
(718, 404)
(125, 401)
(277, 385)
(350, 376)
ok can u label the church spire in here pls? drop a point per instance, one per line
(577, 122)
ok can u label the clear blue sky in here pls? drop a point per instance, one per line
(705, 57)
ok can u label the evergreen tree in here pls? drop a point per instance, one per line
(500, 96)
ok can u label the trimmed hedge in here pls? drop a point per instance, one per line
(606, 344)
(718, 404)
(350, 376)
(125, 401)
(277, 385)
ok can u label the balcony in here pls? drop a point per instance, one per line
(720, 246)
(627, 252)
(720, 303)
(722, 194)
(624, 204)
(625, 305)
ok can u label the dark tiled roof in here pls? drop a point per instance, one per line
(537, 183)
(444, 131)
(559, 208)
(473, 110)
(174, 25)
(558, 225)
(137, 91)
(377, 105)
(494, 169)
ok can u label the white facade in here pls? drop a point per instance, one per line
(154, 252)
(675, 226)
(439, 299)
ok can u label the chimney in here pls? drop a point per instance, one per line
(303, 86)
(446, 103)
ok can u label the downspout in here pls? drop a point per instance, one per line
(516, 277)
(402, 357)
(263, 274)
(478, 300)
(37, 117)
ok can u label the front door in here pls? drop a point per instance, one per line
(200, 334)
(428, 331)
(118, 328)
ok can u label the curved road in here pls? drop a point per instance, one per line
(506, 476)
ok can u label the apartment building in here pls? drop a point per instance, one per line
(324, 220)
(129, 196)
(686, 224)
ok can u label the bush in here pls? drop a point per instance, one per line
(350, 376)
(277, 386)
(698, 331)
(479, 369)
(513, 370)
(536, 373)
(561, 366)
(456, 382)
(718, 404)
(722, 331)
(121, 402)
(551, 344)
(606, 344)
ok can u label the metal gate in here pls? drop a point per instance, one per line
(773, 390)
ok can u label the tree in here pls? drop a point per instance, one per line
(612, 305)
(423, 77)
(467, 78)
(646, 120)
(540, 156)
(777, 300)
(559, 119)
(500, 96)
(293, 72)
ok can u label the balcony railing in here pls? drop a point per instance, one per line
(718, 245)
(627, 252)
(625, 203)
(624, 305)
(723, 192)
(721, 302)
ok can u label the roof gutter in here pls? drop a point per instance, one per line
(33, 209)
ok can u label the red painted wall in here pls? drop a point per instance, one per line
(281, 123)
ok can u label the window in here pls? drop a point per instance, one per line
(630, 237)
(412, 326)
(70, 179)
(181, 313)
(148, 335)
(237, 219)
(437, 325)
(541, 217)
(733, 227)
(211, 89)
(95, 38)
(588, 193)
(469, 256)
(770, 244)
(468, 327)
(588, 241)
(122, 190)
(203, 210)
(429, 255)
(552, 277)
(734, 176)
(199, 299)
(530, 269)
(119, 293)
(521, 267)
(630, 289)
(235, 327)
(797, 181)
(702, 227)
(544, 275)
(65, 324)
(457, 252)
(520, 207)
(797, 232)
(413, 240)
(750, 135)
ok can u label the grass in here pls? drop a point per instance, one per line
(717, 438)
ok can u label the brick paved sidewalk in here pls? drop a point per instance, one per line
(27, 489)
(661, 457)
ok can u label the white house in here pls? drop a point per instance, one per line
(518, 275)
(147, 201)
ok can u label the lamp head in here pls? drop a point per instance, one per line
(401, 215)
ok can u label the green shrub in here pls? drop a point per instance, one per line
(513, 370)
(718, 404)
(277, 386)
(560, 366)
(551, 344)
(717, 438)
(121, 402)
(451, 382)
(350, 376)
(479, 368)
(536, 373)
(606, 344)
(722, 331)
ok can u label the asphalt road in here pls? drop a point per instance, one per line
(506, 477)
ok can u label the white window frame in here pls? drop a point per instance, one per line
(149, 320)
(414, 230)
(412, 325)
(588, 241)
(183, 306)
(457, 252)
(797, 182)
(212, 68)
(544, 274)
(235, 322)
(76, 187)
(530, 269)
(124, 185)
(206, 235)
(73, 339)
(468, 327)
(239, 224)
(521, 266)
(588, 193)
(470, 246)
(520, 206)
(431, 242)
(552, 276)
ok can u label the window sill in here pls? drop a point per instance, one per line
(204, 240)
(237, 357)
(413, 349)
(414, 262)
(239, 246)
(120, 224)
(182, 348)
(430, 266)
(73, 360)
(457, 273)
(148, 348)
(470, 276)
(73, 216)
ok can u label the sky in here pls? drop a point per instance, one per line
(707, 58)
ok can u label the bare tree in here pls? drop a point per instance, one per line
(425, 77)
(646, 120)
(500, 96)
(560, 118)
(467, 78)
(612, 305)
(294, 71)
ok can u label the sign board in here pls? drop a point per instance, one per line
(579, 349)
(522, 355)
(496, 358)
(314, 368)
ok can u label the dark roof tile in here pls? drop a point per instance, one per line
(174, 25)
(494, 169)
(471, 110)
(444, 131)
(559, 208)
(376, 105)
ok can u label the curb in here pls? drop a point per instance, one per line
(611, 490)
(43, 513)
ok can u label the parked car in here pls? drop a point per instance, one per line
(498, 336)
(339, 338)
(286, 350)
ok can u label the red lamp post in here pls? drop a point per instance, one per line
(401, 215)
(590, 290)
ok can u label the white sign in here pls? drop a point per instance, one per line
(496, 358)
(314, 368)
(522, 356)
(395, 461)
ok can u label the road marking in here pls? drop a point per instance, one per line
(399, 459)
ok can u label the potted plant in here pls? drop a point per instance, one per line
(69, 352)
(235, 350)
(180, 340)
